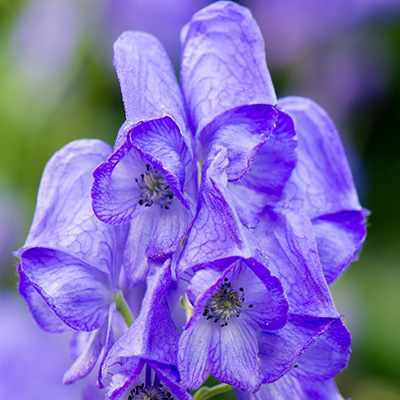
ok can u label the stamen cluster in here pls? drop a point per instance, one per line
(142, 392)
(154, 188)
(224, 303)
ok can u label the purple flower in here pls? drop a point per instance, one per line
(149, 179)
(311, 377)
(70, 263)
(149, 345)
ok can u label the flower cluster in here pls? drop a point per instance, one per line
(204, 241)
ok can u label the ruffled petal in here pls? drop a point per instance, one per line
(286, 237)
(280, 349)
(64, 219)
(78, 293)
(327, 356)
(153, 335)
(322, 180)
(44, 316)
(148, 83)
(216, 231)
(223, 63)
(339, 239)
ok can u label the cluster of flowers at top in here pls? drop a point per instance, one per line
(233, 209)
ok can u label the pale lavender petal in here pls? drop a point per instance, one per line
(84, 364)
(324, 390)
(148, 83)
(44, 316)
(78, 293)
(193, 357)
(234, 356)
(64, 219)
(223, 63)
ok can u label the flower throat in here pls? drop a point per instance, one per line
(154, 188)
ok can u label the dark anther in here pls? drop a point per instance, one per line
(168, 394)
(216, 320)
(171, 197)
(136, 180)
(141, 202)
(241, 289)
(250, 305)
(148, 167)
(142, 176)
(166, 207)
(226, 280)
(160, 385)
(295, 366)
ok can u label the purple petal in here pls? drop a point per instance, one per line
(339, 239)
(153, 335)
(327, 356)
(43, 315)
(280, 349)
(322, 179)
(268, 174)
(148, 83)
(287, 238)
(234, 356)
(64, 219)
(216, 232)
(84, 364)
(324, 390)
(288, 387)
(78, 293)
(223, 63)
(115, 193)
(242, 131)
(193, 358)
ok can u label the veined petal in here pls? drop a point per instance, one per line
(234, 359)
(44, 316)
(280, 349)
(78, 293)
(216, 232)
(148, 83)
(153, 335)
(327, 356)
(242, 131)
(286, 237)
(193, 357)
(64, 219)
(323, 390)
(322, 179)
(339, 239)
(223, 63)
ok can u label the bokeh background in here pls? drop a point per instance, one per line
(57, 84)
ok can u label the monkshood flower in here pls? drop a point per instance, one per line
(248, 326)
(143, 362)
(311, 377)
(70, 264)
(149, 180)
(223, 55)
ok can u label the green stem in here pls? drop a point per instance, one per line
(207, 392)
(123, 308)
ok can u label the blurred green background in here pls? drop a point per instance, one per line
(57, 84)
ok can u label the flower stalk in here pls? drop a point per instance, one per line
(123, 309)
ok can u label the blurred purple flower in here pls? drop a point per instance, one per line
(32, 362)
